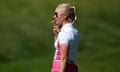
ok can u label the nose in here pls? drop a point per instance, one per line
(54, 16)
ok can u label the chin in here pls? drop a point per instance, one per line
(57, 23)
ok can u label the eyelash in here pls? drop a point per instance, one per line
(55, 14)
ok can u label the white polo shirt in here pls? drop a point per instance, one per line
(67, 35)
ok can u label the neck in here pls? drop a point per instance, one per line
(65, 22)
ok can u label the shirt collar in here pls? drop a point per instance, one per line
(66, 25)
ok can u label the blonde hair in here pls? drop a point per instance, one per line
(70, 10)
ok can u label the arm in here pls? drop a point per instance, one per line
(56, 29)
(64, 56)
(64, 40)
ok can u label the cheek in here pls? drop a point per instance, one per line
(60, 19)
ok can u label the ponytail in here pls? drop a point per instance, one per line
(70, 11)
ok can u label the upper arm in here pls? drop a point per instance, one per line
(64, 40)
(64, 51)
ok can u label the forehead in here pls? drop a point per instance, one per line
(60, 9)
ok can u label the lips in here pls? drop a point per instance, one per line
(55, 20)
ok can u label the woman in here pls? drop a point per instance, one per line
(66, 39)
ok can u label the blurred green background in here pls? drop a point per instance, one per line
(26, 38)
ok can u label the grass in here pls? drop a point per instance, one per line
(40, 64)
(104, 60)
(26, 39)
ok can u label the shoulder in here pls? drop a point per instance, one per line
(67, 30)
(66, 33)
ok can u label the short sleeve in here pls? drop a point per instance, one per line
(65, 37)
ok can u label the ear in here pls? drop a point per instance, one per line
(65, 17)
